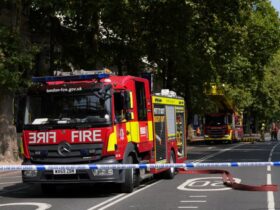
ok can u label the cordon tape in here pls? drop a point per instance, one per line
(183, 168)
(136, 166)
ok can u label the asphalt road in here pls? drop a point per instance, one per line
(183, 192)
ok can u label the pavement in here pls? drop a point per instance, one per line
(246, 138)
(197, 138)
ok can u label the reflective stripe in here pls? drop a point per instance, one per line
(134, 128)
(150, 130)
(112, 141)
(128, 131)
(167, 101)
(131, 99)
(180, 108)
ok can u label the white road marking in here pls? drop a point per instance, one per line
(107, 201)
(215, 154)
(122, 198)
(194, 201)
(198, 196)
(41, 206)
(182, 186)
(270, 195)
(205, 184)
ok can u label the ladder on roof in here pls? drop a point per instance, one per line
(217, 94)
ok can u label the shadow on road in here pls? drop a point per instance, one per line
(62, 191)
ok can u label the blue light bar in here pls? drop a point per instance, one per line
(69, 78)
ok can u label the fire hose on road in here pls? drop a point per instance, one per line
(230, 182)
(183, 168)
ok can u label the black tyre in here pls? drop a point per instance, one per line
(170, 173)
(137, 178)
(129, 178)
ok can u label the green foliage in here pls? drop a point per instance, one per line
(269, 100)
(184, 43)
(166, 38)
(121, 35)
(257, 82)
(15, 59)
(234, 41)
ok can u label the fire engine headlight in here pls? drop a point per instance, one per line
(102, 172)
(30, 173)
(206, 136)
(227, 135)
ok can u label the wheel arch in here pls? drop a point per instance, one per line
(131, 150)
(172, 149)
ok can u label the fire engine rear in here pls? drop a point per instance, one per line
(94, 117)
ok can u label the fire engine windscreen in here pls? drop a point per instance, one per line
(216, 120)
(68, 108)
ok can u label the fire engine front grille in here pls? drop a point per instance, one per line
(216, 133)
(76, 153)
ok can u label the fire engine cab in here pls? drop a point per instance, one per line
(225, 124)
(96, 117)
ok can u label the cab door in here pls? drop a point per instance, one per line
(120, 121)
(142, 114)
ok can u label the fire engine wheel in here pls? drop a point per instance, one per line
(170, 173)
(131, 178)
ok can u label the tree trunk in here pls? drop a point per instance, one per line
(17, 10)
(8, 134)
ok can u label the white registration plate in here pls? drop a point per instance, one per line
(64, 171)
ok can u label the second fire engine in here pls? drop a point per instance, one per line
(226, 124)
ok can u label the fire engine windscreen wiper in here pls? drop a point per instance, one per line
(80, 120)
(48, 121)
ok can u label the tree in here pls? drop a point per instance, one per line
(261, 44)
(233, 40)
(121, 33)
(184, 43)
(16, 56)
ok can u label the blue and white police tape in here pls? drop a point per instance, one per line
(136, 166)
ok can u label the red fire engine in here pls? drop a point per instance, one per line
(95, 117)
(226, 124)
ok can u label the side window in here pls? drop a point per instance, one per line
(119, 107)
(141, 101)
